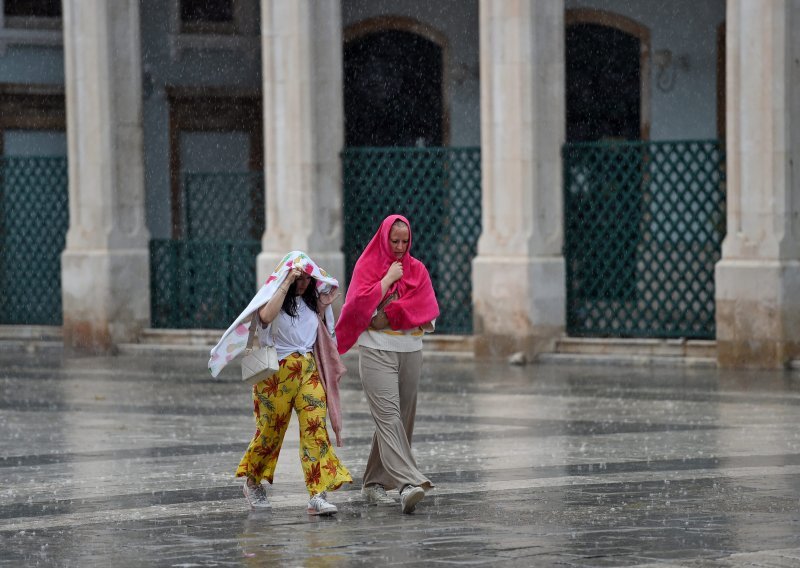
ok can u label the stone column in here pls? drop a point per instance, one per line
(518, 276)
(758, 278)
(105, 266)
(303, 132)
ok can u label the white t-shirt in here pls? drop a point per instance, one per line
(292, 334)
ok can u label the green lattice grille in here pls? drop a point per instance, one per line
(34, 217)
(205, 279)
(201, 284)
(439, 191)
(223, 206)
(644, 224)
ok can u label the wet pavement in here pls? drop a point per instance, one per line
(129, 461)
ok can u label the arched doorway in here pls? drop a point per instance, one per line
(393, 84)
(641, 231)
(607, 77)
(605, 73)
(397, 158)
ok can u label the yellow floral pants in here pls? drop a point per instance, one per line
(297, 385)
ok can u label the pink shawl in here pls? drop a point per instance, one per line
(331, 369)
(416, 304)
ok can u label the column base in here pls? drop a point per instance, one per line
(106, 298)
(519, 305)
(497, 346)
(757, 313)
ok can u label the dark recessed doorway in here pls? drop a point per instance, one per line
(393, 90)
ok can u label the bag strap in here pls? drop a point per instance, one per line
(387, 300)
(253, 325)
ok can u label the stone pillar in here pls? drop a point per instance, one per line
(105, 266)
(758, 278)
(303, 132)
(518, 278)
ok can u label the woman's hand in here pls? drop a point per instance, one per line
(394, 273)
(293, 275)
(270, 310)
(327, 299)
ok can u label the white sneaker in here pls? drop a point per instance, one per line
(318, 505)
(376, 495)
(256, 496)
(410, 496)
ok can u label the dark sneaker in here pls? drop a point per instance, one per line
(410, 496)
(376, 495)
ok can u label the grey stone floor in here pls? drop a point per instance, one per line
(128, 461)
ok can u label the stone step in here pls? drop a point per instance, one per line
(625, 360)
(618, 351)
(210, 337)
(568, 349)
(705, 349)
(204, 337)
(199, 341)
(31, 333)
(31, 338)
(191, 341)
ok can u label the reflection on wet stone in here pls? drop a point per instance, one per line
(130, 460)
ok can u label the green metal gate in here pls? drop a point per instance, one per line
(200, 284)
(206, 278)
(439, 191)
(643, 229)
(34, 218)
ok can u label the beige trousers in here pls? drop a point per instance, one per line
(390, 381)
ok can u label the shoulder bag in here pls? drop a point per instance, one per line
(259, 362)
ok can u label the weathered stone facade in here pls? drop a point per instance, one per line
(518, 275)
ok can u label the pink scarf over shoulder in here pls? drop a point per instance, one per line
(416, 304)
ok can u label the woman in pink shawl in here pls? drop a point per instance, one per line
(390, 305)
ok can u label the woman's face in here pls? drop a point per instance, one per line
(302, 283)
(398, 240)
